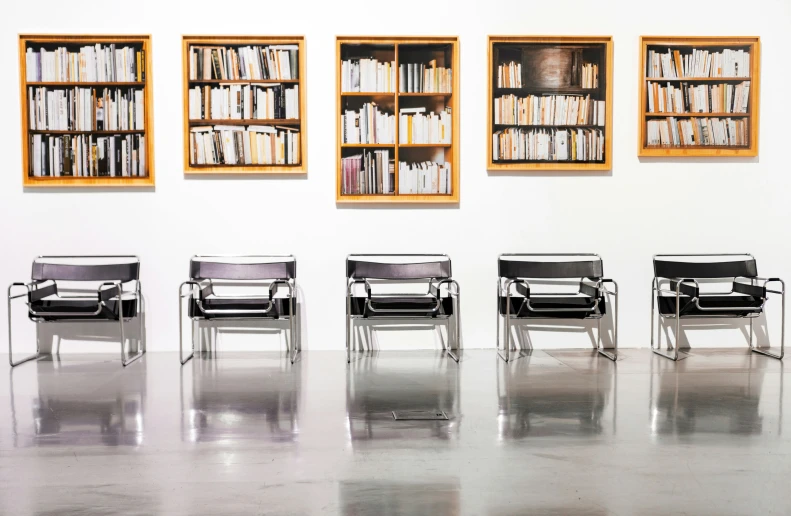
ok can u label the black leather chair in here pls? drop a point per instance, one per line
(440, 301)
(57, 293)
(517, 299)
(676, 292)
(259, 276)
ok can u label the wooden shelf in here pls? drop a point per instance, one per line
(132, 131)
(73, 42)
(698, 79)
(685, 44)
(87, 84)
(705, 115)
(300, 124)
(402, 50)
(243, 81)
(252, 121)
(593, 49)
(367, 145)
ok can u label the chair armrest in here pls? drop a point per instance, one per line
(37, 294)
(749, 290)
(682, 285)
(590, 287)
(435, 290)
(523, 289)
(522, 286)
(105, 294)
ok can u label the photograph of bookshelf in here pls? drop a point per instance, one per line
(398, 119)
(86, 110)
(549, 103)
(245, 108)
(699, 96)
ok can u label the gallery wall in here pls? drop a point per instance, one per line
(639, 208)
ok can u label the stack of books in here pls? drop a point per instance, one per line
(590, 76)
(234, 145)
(415, 126)
(88, 155)
(368, 173)
(368, 125)
(420, 78)
(697, 132)
(424, 178)
(702, 98)
(273, 62)
(698, 63)
(548, 145)
(368, 75)
(244, 102)
(549, 110)
(86, 109)
(509, 75)
(98, 63)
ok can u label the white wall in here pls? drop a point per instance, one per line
(642, 207)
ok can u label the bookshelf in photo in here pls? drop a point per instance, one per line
(699, 96)
(86, 110)
(549, 103)
(244, 105)
(397, 119)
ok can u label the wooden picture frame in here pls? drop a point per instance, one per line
(557, 80)
(449, 152)
(685, 45)
(73, 42)
(300, 124)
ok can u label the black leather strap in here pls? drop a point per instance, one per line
(359, 269)
(522, 289)
(588, 289)
(749, 290)
(86, 272)
(208, 269)
(664, 268)
(42, 292)
(511, 268)
(686, 289)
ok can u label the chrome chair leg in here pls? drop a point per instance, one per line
(614, 354)
(181, 329)
(124, 361)
(348, 329)
(780, 355)
(10, 338)
(292, 333)
(453, 344)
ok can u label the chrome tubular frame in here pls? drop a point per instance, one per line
(455, 294)
(293, 347)
(505, 354)
(753, 311)
(100, 306)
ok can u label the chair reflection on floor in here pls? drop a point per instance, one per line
(553, 401)
(241, 398)
(79, 404)
(401, 498)
(729, 402)
(377, 388)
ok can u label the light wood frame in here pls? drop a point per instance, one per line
(300, 168)
(701, 42)
(148, 86)
(505, 166)
(451, 100)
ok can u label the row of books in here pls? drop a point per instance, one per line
(548, 145)
(697, 131)
(509, 75)
(590, 76)
(86, 155)
(420, 78)
(234, 145)
(372, 172)
(368, 75)
(549, 110)
(368, 125)
(426, 177)
(702, 98)
(98, 63)
(272, 62)
(417, 126)
(244, 102)
(698, 63)
(85, 109)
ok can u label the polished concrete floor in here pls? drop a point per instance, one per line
(553, 432)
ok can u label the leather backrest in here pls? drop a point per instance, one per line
(388, 267)
(524, 266)
(226, 269)
(61, 271)
(699, 267)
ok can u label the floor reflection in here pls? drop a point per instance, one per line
(229, 399)
(78, 403)
(379, 383)
(714, 403)
(400, 498)
(537, 400)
